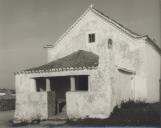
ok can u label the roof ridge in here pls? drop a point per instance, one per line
(117, 24)
(110, 20)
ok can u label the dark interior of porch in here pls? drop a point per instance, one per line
(60, 85)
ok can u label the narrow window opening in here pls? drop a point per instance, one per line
(109, 43)
(91, 38)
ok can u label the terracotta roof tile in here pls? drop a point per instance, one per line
(77, 60)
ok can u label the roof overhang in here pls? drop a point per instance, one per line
(79, 60)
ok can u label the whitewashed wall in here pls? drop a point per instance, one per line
(153, 73)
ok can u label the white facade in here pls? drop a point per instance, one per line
(128, 69)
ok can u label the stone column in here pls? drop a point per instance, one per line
(89, 81)
(33, 84)
(48, 87)
(72, 83)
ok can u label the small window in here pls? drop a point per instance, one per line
(109, 43)
(82, 83)
(91, 38)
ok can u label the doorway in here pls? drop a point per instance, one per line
(60, 85)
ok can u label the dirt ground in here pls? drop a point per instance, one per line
(5, 117)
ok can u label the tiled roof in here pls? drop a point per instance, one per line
(78, 60)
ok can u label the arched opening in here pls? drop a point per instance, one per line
(110, 44)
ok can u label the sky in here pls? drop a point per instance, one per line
(28, 25)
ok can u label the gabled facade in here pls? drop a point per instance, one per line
(93, 67)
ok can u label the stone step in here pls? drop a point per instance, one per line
(51, 123)
(61, 116)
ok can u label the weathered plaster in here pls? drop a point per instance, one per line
(30, 104)
(87, 104)
(152, 69)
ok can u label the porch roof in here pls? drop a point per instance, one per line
(78, 60)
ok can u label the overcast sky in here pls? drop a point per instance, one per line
(27, 25)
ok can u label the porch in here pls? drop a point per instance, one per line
(48, 84)
(60, 85)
